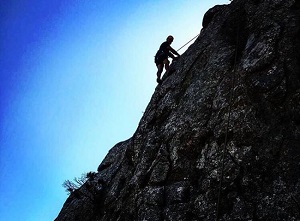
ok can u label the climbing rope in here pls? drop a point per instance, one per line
(227, 128)
(189, 41)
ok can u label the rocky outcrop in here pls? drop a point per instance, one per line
(220, 138)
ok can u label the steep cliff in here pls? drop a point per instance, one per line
(220, 138)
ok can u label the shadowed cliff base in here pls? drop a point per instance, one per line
(220, 138)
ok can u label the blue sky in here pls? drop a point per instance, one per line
(76, 76)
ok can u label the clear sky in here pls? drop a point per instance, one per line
(76, 76)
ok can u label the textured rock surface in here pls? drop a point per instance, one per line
(244, 70)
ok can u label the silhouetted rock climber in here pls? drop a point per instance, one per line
(161, 58)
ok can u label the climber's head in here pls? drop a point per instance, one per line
(170, 39)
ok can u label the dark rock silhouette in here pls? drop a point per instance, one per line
(220, 138)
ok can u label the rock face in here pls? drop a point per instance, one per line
(220, 138)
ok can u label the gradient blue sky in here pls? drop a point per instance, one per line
(76, 76)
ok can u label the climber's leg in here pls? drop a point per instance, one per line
(160, 68)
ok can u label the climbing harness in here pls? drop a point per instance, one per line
(189, 41)
(227, 128)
